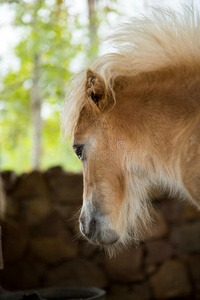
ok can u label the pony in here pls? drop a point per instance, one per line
(134, 121)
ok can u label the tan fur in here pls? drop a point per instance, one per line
(151, 107)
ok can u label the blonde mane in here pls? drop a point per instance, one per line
(167, 39)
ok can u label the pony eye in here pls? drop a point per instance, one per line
(79, 151)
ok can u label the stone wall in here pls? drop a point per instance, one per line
(41, 247)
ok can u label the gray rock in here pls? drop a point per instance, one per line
(51, 226)
(35, 210)
(30, 186)
(126, 267)
(172, 209)
(194, 267)
(14, 239)
(52, 250)
(171, 281)
(65, 187)
(186, 237)
(158, 251)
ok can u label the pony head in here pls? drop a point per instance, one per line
(114, 199)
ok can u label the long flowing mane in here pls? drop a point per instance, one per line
(166, 39)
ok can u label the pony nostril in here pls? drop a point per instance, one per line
(91, 228)
(93, 223)
(88, 228)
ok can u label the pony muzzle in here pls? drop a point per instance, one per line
(96, 227)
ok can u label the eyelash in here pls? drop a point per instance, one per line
(79, 151)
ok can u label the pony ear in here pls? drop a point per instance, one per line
(96, 89)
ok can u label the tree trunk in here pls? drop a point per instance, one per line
(93, 26)
(36, 103)
(35, 98)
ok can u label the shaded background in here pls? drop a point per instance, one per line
(42, 44)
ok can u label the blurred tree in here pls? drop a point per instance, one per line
(39, 85)
(93, 27)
